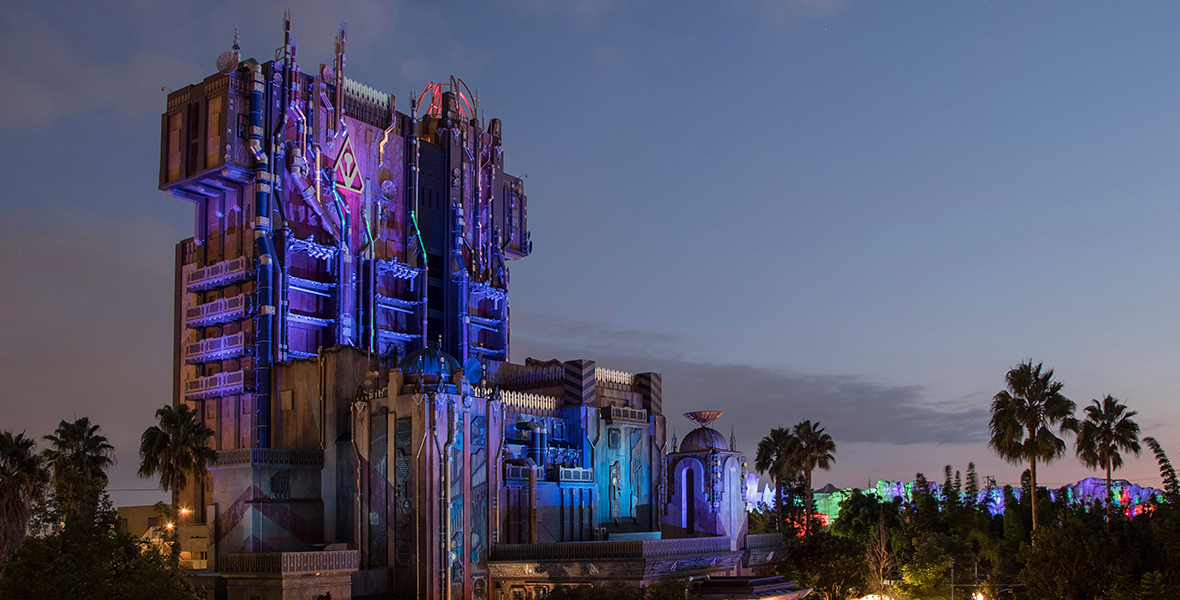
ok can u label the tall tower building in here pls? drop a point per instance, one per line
(342, 324)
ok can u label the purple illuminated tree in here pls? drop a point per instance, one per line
(1023, 418)
(1105, 433)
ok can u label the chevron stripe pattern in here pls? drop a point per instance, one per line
(651, 385)
(250, 514)
(579, 382)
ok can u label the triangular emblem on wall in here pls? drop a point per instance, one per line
(348, 172)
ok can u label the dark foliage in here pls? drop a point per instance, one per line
(832, 566)
(77, 551)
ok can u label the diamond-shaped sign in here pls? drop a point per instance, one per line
(348, 172)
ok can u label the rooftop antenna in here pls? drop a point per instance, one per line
(228, 60)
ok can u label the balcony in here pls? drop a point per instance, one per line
(622, 413)
(516, 473)
(486, 323)
(302, 319)
(570, 551)
(386, 336)
(764, 540)
(311, 286)
(576, 475)
(216, 385)
(396, 269)
(218, 348)
(257, 564)
(217, 275)
(222, 310)
(396, 304)
(484, 290)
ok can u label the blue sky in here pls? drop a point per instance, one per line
(857, 212)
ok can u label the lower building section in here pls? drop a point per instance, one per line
(502, 481)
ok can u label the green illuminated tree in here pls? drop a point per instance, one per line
(1104, 434)
(176, 449)
(23, 480)
(814, 449)
(1024, 416)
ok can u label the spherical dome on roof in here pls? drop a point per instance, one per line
(703, 439)
(429, 362)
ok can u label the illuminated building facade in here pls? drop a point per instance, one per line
(342, 324)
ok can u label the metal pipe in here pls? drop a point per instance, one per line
(286, 98)
(264, 292)
(460, 239)
(414, 218)
(323, 371)
(532, 502)
(340, 76)
(499, 470)
(449, 452)
(419, 472)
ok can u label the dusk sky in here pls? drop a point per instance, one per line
(862, 213)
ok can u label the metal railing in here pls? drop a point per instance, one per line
(609, 549)
(290, 563)
(764, 540)
(613, 376)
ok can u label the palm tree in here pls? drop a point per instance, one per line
(78, 455)
(23, 479)
(175, 449)
(1107, 430)
(1023, 417)
(1167, 472)
(774, 456)
(814, 449)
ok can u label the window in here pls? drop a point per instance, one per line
(243, 125)
(213, 132)
(173, 147)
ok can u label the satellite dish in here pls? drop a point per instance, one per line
(473, 371)
(228, 61)
(703, 417)
(385, 184)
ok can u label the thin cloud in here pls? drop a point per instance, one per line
(754, 397)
